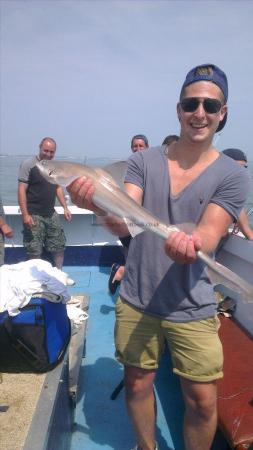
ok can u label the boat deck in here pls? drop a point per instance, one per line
(102, 423)
(19, 395)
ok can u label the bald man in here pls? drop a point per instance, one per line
(36, 197)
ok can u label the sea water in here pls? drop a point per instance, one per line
(9, 166)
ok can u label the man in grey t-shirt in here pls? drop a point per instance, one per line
(36, 196)
(166, 295)
(243, 223)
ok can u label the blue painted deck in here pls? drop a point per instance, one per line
(102, 423)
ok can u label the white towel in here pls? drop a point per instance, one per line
(20, 281)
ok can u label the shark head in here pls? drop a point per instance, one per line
(48, 170)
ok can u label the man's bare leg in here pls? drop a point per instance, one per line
(58, 258)
(141, 404)
(119, 274)
(200, 420)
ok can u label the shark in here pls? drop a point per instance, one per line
(109, 195)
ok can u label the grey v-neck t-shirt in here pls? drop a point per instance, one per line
(153, 282)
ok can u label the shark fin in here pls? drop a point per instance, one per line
(117, 170)
(105, 176)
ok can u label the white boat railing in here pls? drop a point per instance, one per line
(83, 229)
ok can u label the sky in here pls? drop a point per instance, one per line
(93, 73)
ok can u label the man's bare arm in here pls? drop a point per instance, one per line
(5, 228)
(244, 226)
(27, 218)
(82, 192)
(213, 225)
(61, 197)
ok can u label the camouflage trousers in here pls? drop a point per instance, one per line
(46, 233)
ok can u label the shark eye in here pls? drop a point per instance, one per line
(51, 173)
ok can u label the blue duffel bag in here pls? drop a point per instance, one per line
(36, 339)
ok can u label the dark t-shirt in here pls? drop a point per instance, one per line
(40, 193)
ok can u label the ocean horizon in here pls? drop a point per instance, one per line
(9, 167)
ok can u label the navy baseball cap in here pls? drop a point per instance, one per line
(236, 154)
(216, 76)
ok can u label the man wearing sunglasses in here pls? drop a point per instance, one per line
(165, 295)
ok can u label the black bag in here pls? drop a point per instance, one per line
(36, 339)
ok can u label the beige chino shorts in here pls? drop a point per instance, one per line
(195, 347)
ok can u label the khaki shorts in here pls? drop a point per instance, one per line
(47, 232)
(195, 347)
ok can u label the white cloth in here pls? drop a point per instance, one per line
(76, 314)
(19, 282)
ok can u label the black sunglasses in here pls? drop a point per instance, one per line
(210, 105)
